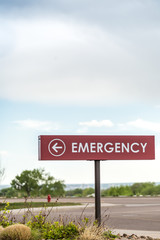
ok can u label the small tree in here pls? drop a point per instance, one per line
(28, 181)
(58, 189)
(88, 191)
(37, 182)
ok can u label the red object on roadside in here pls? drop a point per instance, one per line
(49, 198)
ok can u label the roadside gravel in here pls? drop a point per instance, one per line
(136, 234)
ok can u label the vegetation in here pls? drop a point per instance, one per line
(57, 189)
(17, 231)
(9, 192)
(20, 205)
(78, 192)
(38, 228)
(137, 189)
(36, 183)
(92, 233)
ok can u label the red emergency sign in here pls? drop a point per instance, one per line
(88, 147)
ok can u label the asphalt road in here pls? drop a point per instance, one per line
(117, 213)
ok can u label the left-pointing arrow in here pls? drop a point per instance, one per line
(55, 147)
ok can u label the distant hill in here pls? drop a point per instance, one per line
(91, 185)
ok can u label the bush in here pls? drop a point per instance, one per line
(36, 234)
(109, 235)
(75, 192)
(87, 192)
(58, 231)
(17, 231)
(6, 218)
(54, 230)
(92, 233)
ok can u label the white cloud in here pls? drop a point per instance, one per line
(82, 130)
(138, 124)
(95, 123)
(37, 125)
(60, 61)
(64, 59)
(143, 124)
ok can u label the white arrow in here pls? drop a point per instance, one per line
(55, 147)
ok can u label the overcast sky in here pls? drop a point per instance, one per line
(78, 67)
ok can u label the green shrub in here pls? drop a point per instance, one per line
(36, 234)
(5, 216)
(88, 191)
(75, 192)
(54, 230)
(109, 235)
(58, 231)
(37, 221)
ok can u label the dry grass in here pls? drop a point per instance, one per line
(17, 231)
(92, 233)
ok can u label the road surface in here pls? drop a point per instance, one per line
(142, 213)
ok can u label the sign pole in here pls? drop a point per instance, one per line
(97, 192)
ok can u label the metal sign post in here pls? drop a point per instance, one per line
(97, 192)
